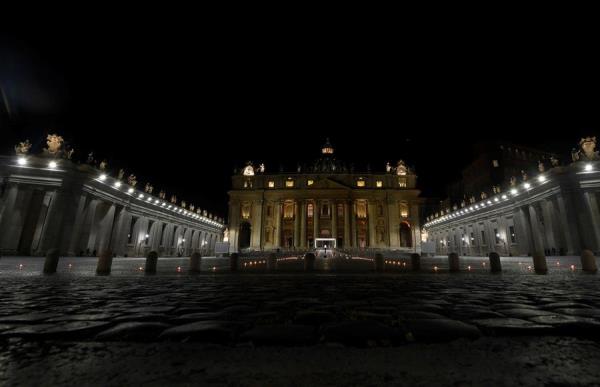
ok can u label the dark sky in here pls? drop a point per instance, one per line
(181, 107)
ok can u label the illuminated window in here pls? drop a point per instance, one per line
(288, 210)
(310, 182)
(360, 183)
(495, 163)
(513, 238)
(289, 183)
(402, 182)
(246, 210)
(379, 184)
(361, 209)
(404, 210)
(271, 184)
(325, 210)
(340, 210)
(310, 210)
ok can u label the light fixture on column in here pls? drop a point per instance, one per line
(52, 164)
(589, 167)
(541, 178)
(22, 161)
(102, 177)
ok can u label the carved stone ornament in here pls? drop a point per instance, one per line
(54, 144)
(588, 149)
(22, 148)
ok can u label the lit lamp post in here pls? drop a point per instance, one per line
(503, 242)
(139, 245)
(181, 248)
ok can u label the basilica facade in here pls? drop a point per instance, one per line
(324, 202)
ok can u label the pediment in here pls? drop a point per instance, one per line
(327, 183)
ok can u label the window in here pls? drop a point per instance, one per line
(340, 210)
(310, 210)
(483, 237)
(246, 211)
(464, 240)
(361, 209)
(269, 211)
(404, 210)
(310, 182)
(289, 183)
(402, 182)
(271, 184)
(495, 163)
(497, 235)
(360, 183)
(472, 238)
(513, 237)
(379, 183)
(288, 210)
(248, 183)
(325, 210)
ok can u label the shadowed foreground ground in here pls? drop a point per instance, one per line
(532, 361)
(471, 328)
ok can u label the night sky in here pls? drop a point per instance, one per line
(181, 107)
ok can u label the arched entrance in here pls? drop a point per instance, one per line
(405, 235)
(245, 232)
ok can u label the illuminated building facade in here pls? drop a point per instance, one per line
(324, 200)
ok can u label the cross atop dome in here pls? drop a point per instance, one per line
(327, 148)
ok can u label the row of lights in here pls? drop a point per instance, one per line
(149, 199)
(588, 167)
(22, 161)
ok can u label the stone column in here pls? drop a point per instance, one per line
(523, 233)
(334, 220)
(316, 216)
(296, 224)
(255, 240)
(13, 218)
(353, 223)
(277, 233)
(303, 224)
(371, 219)
(106, 227)
(234, 226)
(347, 241)
(593, 235)
(569, 223)
(536, 231)
(549, 227)
(119, 239)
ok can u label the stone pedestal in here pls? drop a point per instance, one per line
(272, 262)
(379, 263)
(195, 262)
(104, 263)
(539, 264)
(234, 260)
(415, 262)
(495, 264)
(309, 262)
(453, 263)
(588, 262)
(51, 261)
(151, 262)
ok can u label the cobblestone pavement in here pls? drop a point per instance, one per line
(65, 328)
